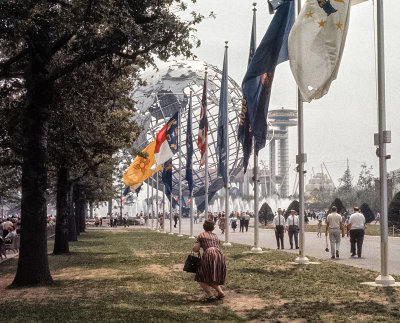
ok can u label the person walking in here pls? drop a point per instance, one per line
(333, 226)
(221, 223)
(246, 221)
(279, 227)
(292, 223)
(233, 223)
(212, 269)
(241, 222)
(357, 230)
(176, 217)
(319, 233)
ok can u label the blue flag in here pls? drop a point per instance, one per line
(245, 136)
(167, 176)
(126, 190)
(189, 149)
(257, 82)
(222, 124)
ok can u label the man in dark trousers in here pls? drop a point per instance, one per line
(176, 217)
(279, 226)
(292, 223)
(241, 222)
(357, 229)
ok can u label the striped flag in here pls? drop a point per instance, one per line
(203, 127)
(166, 141)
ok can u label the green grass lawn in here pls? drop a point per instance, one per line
(136, 276)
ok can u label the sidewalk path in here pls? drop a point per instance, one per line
(315, 246)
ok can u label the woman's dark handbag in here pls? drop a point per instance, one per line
(192, 263)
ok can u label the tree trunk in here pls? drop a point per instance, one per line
(72, 234)
(91, 209)
(63, 205)
(83, 211)
(33, 266)
(110, 207)
(77, 208)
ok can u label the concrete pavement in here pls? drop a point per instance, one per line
(314, 246)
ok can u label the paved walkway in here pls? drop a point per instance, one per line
(315, 246)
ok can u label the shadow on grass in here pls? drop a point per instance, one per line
(327, 311)
(117, 306)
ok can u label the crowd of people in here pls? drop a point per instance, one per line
(10, 229)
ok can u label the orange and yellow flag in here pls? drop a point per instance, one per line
(140, 169)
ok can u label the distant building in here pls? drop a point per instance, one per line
(317, 182)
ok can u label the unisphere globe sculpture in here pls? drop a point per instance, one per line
(166, 91)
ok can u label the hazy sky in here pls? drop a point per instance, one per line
(342, 124)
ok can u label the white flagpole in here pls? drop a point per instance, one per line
(256, 247)
(301, 158)
(163, 210)
(157, 217)
(226, 243)
(180, 173)
(148, 203)
(191, 192)
(170, 215)
(381, 139)
(152, 203)
(206, 159)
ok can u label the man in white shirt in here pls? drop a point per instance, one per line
(292, 223)
(333, 225)
(357, 229)
(5, 226)
(279, 226)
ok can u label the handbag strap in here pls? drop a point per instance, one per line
(198, 254)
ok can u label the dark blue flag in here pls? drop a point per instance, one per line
(167, 176)
(245, 136)
(189, 148)
(222, 124)
(138, 189)
(126, 190)
(257, 82)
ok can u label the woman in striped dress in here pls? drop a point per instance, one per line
(212, 269)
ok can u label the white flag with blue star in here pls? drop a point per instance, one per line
(316, 44)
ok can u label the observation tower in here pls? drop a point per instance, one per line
(281, 119)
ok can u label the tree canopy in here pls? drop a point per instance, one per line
(339, 205)
(368, 214)
(265, 214)
(56, 58)
(394, 212)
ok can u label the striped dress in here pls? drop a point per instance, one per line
(212, 268)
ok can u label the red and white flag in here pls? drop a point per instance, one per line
(203, 127)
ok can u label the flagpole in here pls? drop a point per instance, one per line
(381, 139)
(157, 217)
(152, 203)
(226, 243)
(301, 158)
(148, 203)
(256, 247)
(206, 159)
(163, 210)
(170, 215)
(190, 191)
(180, 173)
